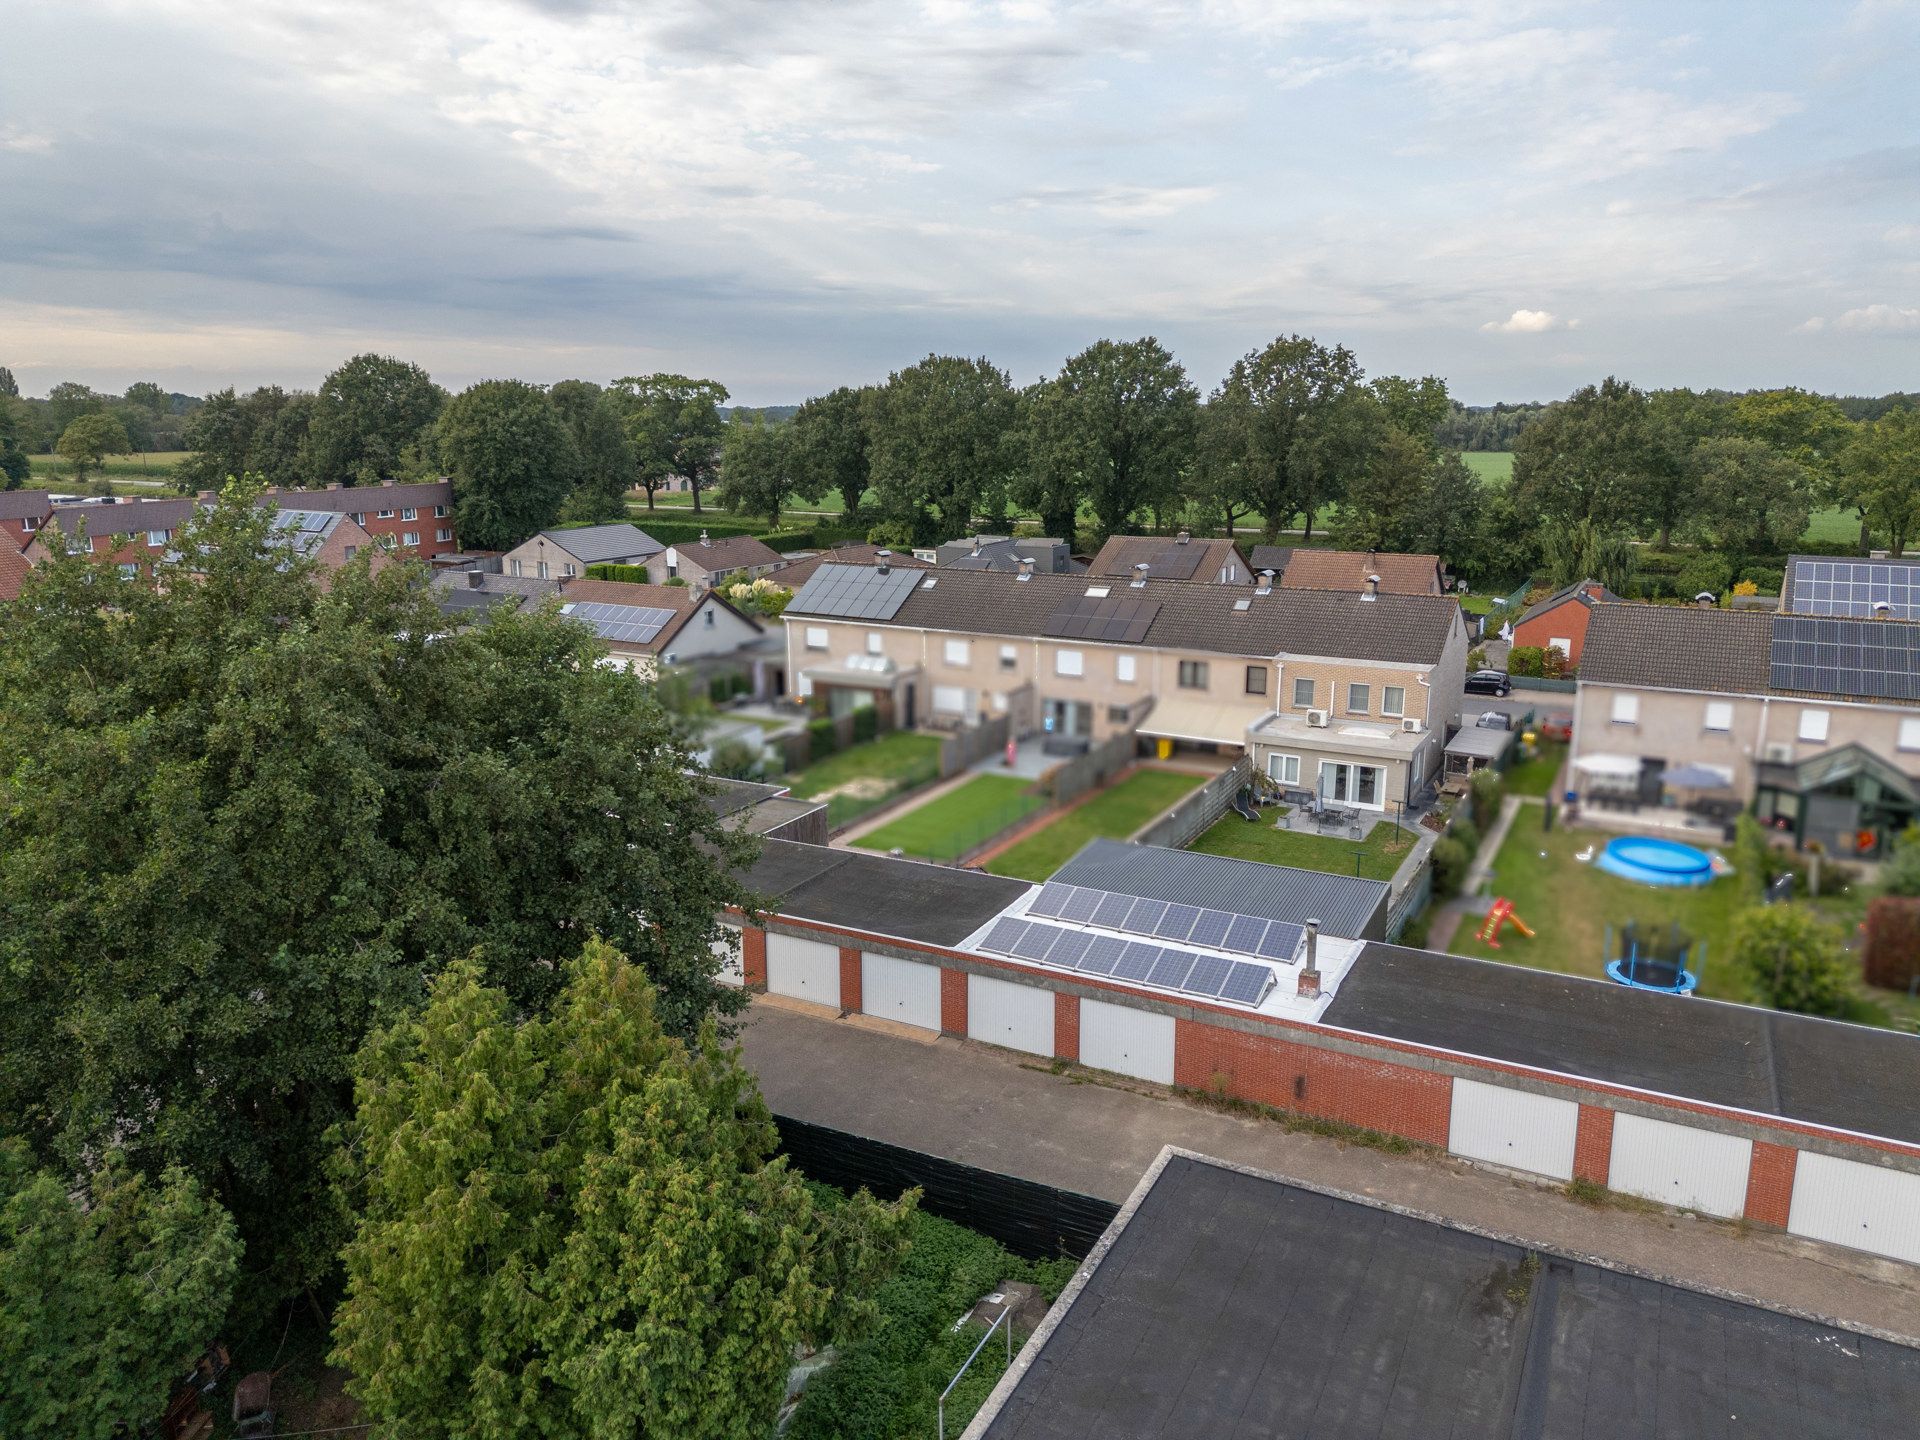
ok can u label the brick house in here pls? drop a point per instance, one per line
(646, 626)
(564, 552)
(709, 562)
(13, 568)
(131, 532)
(1213, 562)
(408, 518)
(1559, 622)
(23, 512)
(1303, 568)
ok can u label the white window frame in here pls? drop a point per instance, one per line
(384, 515)
(876, 643)
(1565, 647)
(157, 538)
(957, 653)
(444, 535)
(1814, 725)
(1009, 656)
(539, 570)
(412, 537)
(1626, 710)
(1391, 707)
(519, 568)
(1719, 717)
(1298, 681)
(567, 569)
(1278, 764)
(1199, 669)
(408, 512)
(358, 517)
(439, 512)
(816, 637)
(1126, 669)
(1365, 707)
(1071, 663)
(1909, 734)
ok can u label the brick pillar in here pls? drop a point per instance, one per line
(850, 979)
(1770, 1184)
(1593, 1144)
(953, 1002)
(753, 957)
(1066, 1026)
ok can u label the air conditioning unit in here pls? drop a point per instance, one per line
(1778, 753)
(1412, 725)
(1318, 718)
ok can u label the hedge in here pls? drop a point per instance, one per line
(625, 574)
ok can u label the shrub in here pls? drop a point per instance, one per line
(627, 574)
(1745, 587)
(1477, 658)
(821, 739)
(1705, 572)
(1526, 660)
(893, 533)
(734, 759)
(1468, 834)
(1483, 795)
(1795, 959)
(1450, 862)
(866, 722)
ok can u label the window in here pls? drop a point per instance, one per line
(1813, 725)
(1418, 768)
(157, 538)
(673, 570)
(386, 515)
(542, 570)
(816, 637)
(31, 522)
(351, 551)
(1285, 769)
(412, 537)
(1359, 698)
(1626, 709)
(1909, 735)
(409, 512)
(439, 512)
(444, 534)
(1069, 662)
(957, 652)
(358, 517)
(876, 643)
(711, 612)
(567, 569)
(1302, 693)
(1193, 674)
(1125, 668)
(519, 567)
(1256, 679)
(89, 544)
(1009, 657)
(1118, 714)
(127, 572)
(1393, 699)
(1719, 715)
(1565, 647)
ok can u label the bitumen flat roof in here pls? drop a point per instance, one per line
(1233, 1304)
(1824, 1072)
(908, 899)
(1345, 905)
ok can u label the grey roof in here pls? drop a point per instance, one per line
(1344, 905)
(1678, 647)
(1576, 591)
(1270, 557)
(730, 797)
(20, 504)
(598, 544)
(368, 499)
(1481, 742)
(128, 517)
(1167, 557)
(1408, 629)
(876, 893)
(1233, 1303)
(727, 552)
(1823, 1072)
(855, 592)
(456, 594)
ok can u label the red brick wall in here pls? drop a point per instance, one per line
(1770, 1184)
(953, 1002)
(850, 979)
(1593, 1144)
(1066, 1026)
(1568, 622)
(1374, 1094)
(753, 957)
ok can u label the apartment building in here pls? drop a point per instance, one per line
(22, 512)
(129, 533)
(1812, 720)
(1347, 694)
(405, 518)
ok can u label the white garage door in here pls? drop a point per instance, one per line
(1679, 1165)
(1515, 1128)
(804, 969)
(900, 990)
(1866, 1206)
(1017, 1016)
(727, 951)
(1126, 1041)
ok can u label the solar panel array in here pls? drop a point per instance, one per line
(305, 530)
(1211, 977)
(630, 624)
(1124, 620)
(1873, 659)
(1176, 562)
(1188, 924)
(856, 592)
(1855, 587)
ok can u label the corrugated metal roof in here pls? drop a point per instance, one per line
(1345, 905)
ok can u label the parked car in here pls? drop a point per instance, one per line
(1489, 682)
(1494, 720)
(1557, 726)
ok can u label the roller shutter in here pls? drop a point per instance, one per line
(1679, 1165)
(1868, 1207)
(1515, 1128)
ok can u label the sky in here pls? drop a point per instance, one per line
(789, 195)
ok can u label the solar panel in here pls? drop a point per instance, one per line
(1164, 966)
(1038, 940)
(1210, 929)
(1002, 938)
(855, 592)
(1177, 923)
(1177, 562)
(1171, 969)
(1857, 588)
(1280, 942)
(1125, 618)
(1080, 906)
(1244, 934)
(1069, 949)
(1103, 955)
(1144, 916)
(1136, 961)
(1875, 659)
(1208, 975)
(631, 624)
(1247, 984)
(1111, 912)
(1051, 900)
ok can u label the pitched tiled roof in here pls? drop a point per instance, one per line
(683, 600)
(22, 504)
(13, 568)
(129, 517)
(1348, 570)
(1575, 591)
(728, 552)
(1678, 647)
(1167, 557)
(368, 498)
(796, 573)
(593, 544)
(1270, 557)
(1406, 629)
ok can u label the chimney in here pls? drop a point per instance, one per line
(1373, 588)
(335, 485)
(1310, 972)
(1882, 610)
(882, 561)
(1140, 575)
(476, 580)
(1265, 587)
(1183, 538)
(703, 538)
(1707, 600)
(976, 545)
(1026, 567)
(386, 484)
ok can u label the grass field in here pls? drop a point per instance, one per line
(52, 472)
(1535, 776)
(1496, 465)
(863, 777)
(1375, 858)
(965, 817)
(1114, 814)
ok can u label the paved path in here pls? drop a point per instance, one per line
(987, 1107)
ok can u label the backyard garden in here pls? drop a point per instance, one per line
(958, 821)
(865, 776)
(1374, 858)
(1114, 813)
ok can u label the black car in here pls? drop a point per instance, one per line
(1489, 682)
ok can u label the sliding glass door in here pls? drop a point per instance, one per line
(1344, 784)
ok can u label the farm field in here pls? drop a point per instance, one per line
(1496, 465)
(956, 822)
(1115, 813)
(52, 472)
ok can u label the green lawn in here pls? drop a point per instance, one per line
(1535, 776)
(1833, 525)
(863, 777)
(1495, 465)
(50, 471)
(1570, 904)
(1115, 813)
(965, 817)
(1375, 858)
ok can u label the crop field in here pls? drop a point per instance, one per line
(52, 471)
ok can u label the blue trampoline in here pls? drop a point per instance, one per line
(1656, 862)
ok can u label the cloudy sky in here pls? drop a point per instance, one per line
(791, 194)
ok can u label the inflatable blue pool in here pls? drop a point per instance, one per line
(1655, 862)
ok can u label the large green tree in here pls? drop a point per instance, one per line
(945, 444)
(1880, 473)
(756, 472)
(1296, 422)
(1794, 958)
(264, 433)
(598, 422)
(512, 460)
(1386, 497)
(1587, 458)
(68, 401)
(675, 426)
(1584, 551)
(103, 1288)
(14, 465)
(1811, 430)
(242, 818)
(574, 1227)
(370, 420)
(1113, 430)
(1754, 499)
(86, 443)
(830, 447)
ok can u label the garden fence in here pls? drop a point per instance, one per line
(1541, 682)
(1191, 817)
(1090, 771)
(968, 746)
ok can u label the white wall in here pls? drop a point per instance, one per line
(1868, 1207)
(727, 951)
(803, 969)
(1515, 1128)
(900, 990)
(1126, 1041)
(1017, 1016)
(1679, 1165)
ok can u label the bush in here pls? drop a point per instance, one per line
(1704, 573)
(734, 759)
(821, 739)
(1526, 660)
(866, 722)
(1483, 796)
(1450, 862)
(626, 574)
(1477, 658)
(893, 533)
(1467, 833)
(1796, 960)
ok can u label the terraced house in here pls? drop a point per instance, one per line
(1348, 694)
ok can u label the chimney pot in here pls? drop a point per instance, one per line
(1309, 988)
(1183, 538)
(335, 485)
(1026, 567)
(703, 538)
(881, 560)
(1373, 587)
(476, 580)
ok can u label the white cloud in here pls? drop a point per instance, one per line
(22, 141)
(1883, 319)
(1529, 322)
